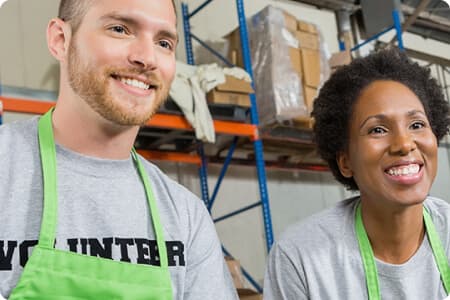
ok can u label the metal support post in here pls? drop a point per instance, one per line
(344, 29)
(258, 146)
(187, 35)
(203, 172)
(398, 28)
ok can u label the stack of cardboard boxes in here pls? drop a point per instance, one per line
(275, 34)
(310, 61)
(305, 59)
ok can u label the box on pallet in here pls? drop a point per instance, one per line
(340, 59)
(234, 39)
(308, 40)
(307, 27)
(234, 91)
(311, 67)
(286, 58)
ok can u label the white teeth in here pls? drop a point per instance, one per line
(135, 83)
(406, 170)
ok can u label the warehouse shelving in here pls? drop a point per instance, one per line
(257, 141)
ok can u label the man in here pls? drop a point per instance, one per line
(71, 182)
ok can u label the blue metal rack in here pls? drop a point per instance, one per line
(257, 143)
(398, 29)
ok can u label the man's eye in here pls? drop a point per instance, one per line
(166, 44)
(118, 29)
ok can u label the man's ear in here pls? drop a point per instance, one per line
(344, 165)
(59, 34)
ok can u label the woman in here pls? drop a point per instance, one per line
(378, 124)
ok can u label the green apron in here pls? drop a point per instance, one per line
(55, 274)
(370, 267)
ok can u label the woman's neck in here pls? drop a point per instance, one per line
(395, 235)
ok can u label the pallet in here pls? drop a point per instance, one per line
(224, 112)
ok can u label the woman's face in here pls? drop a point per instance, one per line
(392, 151)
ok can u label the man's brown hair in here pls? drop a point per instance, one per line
(73, 11)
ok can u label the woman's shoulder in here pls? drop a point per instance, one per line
(328, 226)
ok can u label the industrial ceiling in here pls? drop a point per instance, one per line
(428, 18)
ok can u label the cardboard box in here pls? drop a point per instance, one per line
(310, 61)
(290, 22)
(304, 122)
(294, 54)
(306, 27)
(231, 98)
(307, 40)
(248, 294)
(340, 59)
(309, 94)
(234, 49)
(233, 84)
(235, 270)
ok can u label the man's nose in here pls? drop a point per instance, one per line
(143, 54)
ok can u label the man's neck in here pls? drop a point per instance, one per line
(395, 236)
(89, 134)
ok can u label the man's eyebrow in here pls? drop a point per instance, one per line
(169, 34)
(116, 16)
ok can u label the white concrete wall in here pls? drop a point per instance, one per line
(25, 62)
(24, 58)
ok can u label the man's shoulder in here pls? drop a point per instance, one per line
(18, 132)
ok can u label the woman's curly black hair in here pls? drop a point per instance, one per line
(334, 104)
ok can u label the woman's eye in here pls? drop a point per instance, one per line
(377, 130)
(417, 125)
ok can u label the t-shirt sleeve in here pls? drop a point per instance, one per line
(207, 275)
(282, 280)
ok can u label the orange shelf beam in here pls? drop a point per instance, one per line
(224, 127)
(26, 105)
(170, 156)
(158, 120)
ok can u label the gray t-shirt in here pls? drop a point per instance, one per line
(103, 211)
(319, 259)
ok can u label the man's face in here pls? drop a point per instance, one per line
(122, 58)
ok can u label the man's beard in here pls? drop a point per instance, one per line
(92, 87)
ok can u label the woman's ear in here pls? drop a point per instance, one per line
(344, 164)
(58, 38)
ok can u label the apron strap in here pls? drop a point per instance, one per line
(367, 256)
(153, 211)
(438, 250)
(48, 162)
